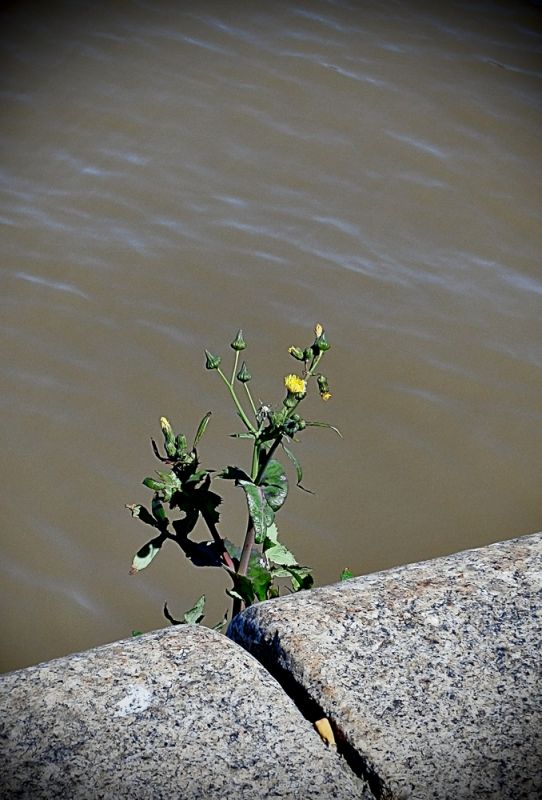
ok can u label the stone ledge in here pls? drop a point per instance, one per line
(178, 713)
(430, 673)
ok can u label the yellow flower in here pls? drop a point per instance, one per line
(325, 395)
(318, 330)
(295, 384)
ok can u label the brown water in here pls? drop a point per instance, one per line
(173, 171)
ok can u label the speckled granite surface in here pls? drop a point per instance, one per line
(431, 673)
(180, 713)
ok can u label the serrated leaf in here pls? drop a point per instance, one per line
(195, 615)
(145, 555)
(234, 474)
(201, 429)
(279, 554)
(272, 533)
(274, 484)
(197, 476)
(301, 578)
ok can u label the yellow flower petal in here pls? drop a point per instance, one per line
(295, 384)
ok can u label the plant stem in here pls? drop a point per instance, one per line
(251, 401)
(235, 399)
(247, 549)
(234, 370)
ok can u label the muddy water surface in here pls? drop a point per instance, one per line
(172, 171)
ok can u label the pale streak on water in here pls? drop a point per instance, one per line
(171, 172)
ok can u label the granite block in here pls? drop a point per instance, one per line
(179, 713)
(430, 673)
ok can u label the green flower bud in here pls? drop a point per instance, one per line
(212, 362)
(297, 353)
(307, 354)
(239, 343)
(321, 343)
(169, 436)
(244, 375)
(180, 445)
(323, 387)
(290, 401)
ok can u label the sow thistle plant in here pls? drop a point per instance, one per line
(183, 487)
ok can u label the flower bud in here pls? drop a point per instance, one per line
(318, 330)
(244, 375)
(169, 437)
(238, 343)
(323, 387)
(167, 430)
(297, 353)
(212, 362)
(180, 445)
(321, 344)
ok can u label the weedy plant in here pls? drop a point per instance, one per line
(258, 568)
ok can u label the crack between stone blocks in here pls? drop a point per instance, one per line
(312, 711)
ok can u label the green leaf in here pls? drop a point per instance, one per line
(156, 486)
(298, 470)
(145, 555)
(242, 589)
(324, 425)
(256, 508)
(272, 534)
(158, 510)
(279, 554)
(142, 513)
(222, 624)
(261, 580)
(346, 574)
(234, 474)
(196, 477)
(301, 578)
(293, 458)
(137, 633)
(275, 484)
(201, 429)
(195, 615)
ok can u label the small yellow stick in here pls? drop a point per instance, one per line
(324, 730)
